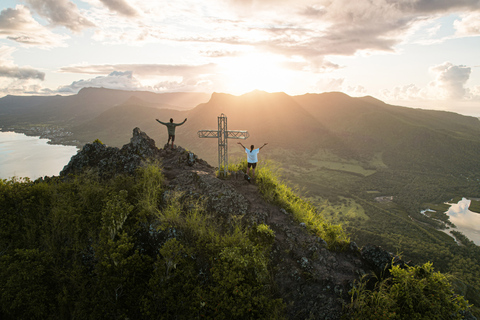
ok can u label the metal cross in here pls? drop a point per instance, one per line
(223, 135)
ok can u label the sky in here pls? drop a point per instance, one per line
(416, 53)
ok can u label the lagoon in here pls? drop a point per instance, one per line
(24, 156)
(467, 222)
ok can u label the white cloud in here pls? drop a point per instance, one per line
(9, 70)
(144, 69)
(115, 80)
(475, 93)
(407, 92)
(450, 80)
(449, 84)
(159, 77)
(22, 87)
(61, 12)
(469, 25)
(18, 25)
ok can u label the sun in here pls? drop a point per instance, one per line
(255, 72)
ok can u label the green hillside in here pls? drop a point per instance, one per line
(341, 153)
(142, 233)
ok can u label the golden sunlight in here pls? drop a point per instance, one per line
(255, 72)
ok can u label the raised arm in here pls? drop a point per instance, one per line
(241, 145)
(262, 146)
(161, 122)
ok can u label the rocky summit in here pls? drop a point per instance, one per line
(312, 280)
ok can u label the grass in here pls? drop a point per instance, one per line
(474, 206)
(346, 210)
(277, 192)
(355, 168)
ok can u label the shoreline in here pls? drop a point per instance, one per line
(55, 136)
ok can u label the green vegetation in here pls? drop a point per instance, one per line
(88, 248)
(409, 293)
(398, 225)
(274, 191)
(474, 205)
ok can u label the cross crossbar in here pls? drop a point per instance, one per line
(232, 134)
(222, 134)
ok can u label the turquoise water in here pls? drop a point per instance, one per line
(23, 156)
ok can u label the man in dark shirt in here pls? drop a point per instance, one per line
(171, 129)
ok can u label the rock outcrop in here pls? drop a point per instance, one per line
(109, 160)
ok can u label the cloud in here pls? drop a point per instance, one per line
(469, 25)
(20, 73)
(429, 6)
(115, 80)
(407, 92)
(219, 53)
(144, 69)
(450, 80)
(124, 80)
(449, 84)
(120, 6)
(23, 87)
(18, 25)
(9, 70)
(62, 13)
(162, 77)
(324, 27)
(328, 85)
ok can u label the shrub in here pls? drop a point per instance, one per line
(410, 293)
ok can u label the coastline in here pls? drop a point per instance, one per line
(31, 156)
(54, 135)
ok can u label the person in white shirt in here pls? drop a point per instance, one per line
(252, 158)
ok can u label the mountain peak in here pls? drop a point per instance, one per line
(298, 255)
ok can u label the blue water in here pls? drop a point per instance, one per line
(23, 156)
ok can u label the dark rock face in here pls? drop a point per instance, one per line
(378, 259)
(110, 161)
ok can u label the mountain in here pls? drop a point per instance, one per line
(406, 137)
(84, 106)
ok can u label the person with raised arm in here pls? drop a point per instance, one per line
(252, 158)
(171, 129)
